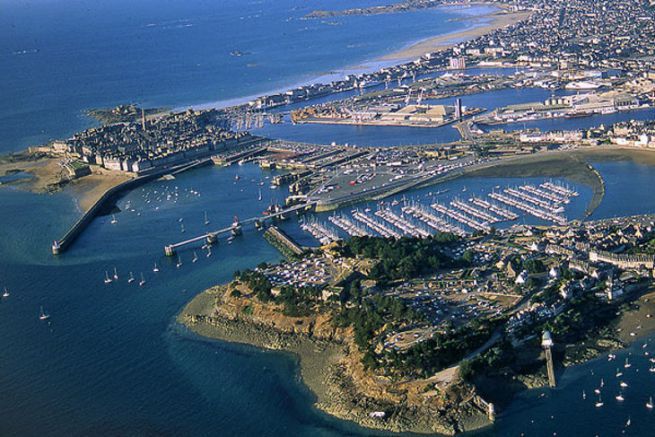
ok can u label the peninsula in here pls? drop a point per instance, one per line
(436, 334)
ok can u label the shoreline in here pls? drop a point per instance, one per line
(321, 369)
(327, 367)
(330, 368)
(45, 177)
(411, 50)
(490, 22)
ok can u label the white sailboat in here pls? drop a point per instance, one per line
(179, 262)
(155, 268)
(107, 278)
(650, 404)
(599, 402)
(113, 219)
(115, 274)
(619, 397)
(43, 315)
(5, 293)
(142, 282)
(623, 384)
(131, 278)
(627, 364)
(209, 251)
(195, 257)
(206, 219)
(260, 195)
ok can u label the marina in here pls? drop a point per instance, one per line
(402, 223)
(347, 225)
(376, 226)
(437, 223)
(461, 217)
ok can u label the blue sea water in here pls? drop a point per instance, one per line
(112, 360)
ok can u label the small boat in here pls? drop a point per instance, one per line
(179, 262)
(155, 268)
(602, 383)
(623, 384)
(584, 395)
(206, 219)
(195, 257)
(651, 369)
(209, 252)
(619, 397)
(5, 293)
(182, 228)
(650, 404)
(597, 391)
(237, 177)
(113, 219)
(107, 278)
(618, 373)
(627, 364)
(131, 278)
(628, 422)
(599, 402)
(43, 315)
(610, 357)
(142, 282)
(259, 197)
(115, 274)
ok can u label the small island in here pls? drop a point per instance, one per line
(437, 334)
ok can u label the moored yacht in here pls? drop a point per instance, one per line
(43, 315)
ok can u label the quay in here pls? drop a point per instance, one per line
(236, 228)
(282, 241)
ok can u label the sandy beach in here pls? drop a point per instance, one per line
(89, 189)
(47, 176)
(495, 20)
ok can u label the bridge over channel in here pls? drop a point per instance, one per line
(235, 228)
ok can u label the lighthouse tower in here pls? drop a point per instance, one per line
(547, 344)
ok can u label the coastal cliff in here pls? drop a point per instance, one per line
(331, 366)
